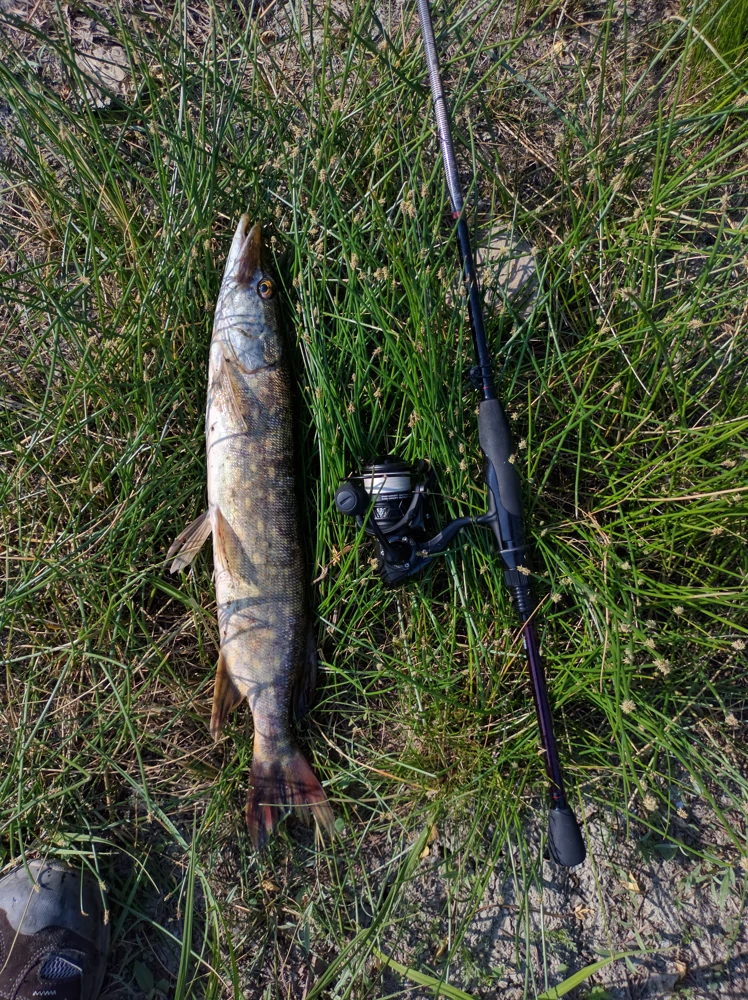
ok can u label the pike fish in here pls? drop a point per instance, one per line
(266, 654)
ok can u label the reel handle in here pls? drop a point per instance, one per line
(352, 499)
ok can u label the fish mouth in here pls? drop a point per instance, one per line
(246, 251)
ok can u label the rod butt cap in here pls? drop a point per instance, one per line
(565, 842)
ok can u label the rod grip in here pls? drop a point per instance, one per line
(496, 442)
(504, 489)
(565, 842)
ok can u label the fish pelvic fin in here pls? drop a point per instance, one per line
(226, 697)
(188, 543)
(279, 787)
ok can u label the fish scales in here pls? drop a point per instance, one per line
(253, 518)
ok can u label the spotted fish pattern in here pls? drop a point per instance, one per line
(266, 652)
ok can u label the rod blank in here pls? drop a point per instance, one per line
(565, 841)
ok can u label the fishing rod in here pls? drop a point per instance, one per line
(389, 498)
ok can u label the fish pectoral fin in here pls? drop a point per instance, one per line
(305, 683)
(228, 550)
(229, 391)
(226, 697)
(189, 542)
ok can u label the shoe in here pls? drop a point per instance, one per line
(53, 938)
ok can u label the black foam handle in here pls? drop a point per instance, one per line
(504, 485)
(496, 442)
(565, 838)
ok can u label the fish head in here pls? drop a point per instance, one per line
(247, 308)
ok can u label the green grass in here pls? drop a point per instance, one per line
(626, 386)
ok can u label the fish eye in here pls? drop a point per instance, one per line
(265, 288)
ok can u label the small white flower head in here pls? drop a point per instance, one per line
(650, 803)
(625, 564)
(649, 643)
(739, 645)
(678, 609)
(628, 706)
(730, 720)
(555, 598)
(663, 666)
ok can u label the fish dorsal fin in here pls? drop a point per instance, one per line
(188, 543)
(229, 391)
(226, 697)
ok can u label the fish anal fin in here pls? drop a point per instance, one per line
(279, 787)
(305, 683)
(188, 543)
(226, 697)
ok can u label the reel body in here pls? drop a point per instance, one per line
(395, 496)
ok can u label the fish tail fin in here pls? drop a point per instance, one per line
(278, 787)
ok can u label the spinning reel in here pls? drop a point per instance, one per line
(395, 496)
